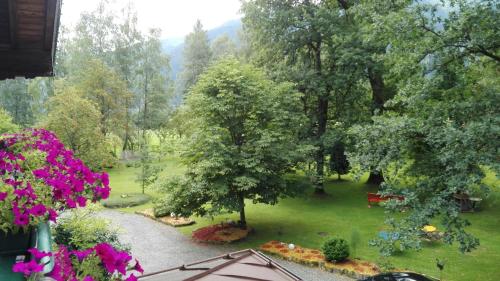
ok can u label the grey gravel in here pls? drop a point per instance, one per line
(159, 246)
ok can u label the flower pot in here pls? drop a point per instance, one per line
(15, 243)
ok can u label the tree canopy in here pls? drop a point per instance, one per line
(243, 141)
(77, 123)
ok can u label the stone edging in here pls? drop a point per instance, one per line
(166, 221)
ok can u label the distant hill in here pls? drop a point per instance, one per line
(174, 46)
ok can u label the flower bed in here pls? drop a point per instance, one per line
(168, 220)
(313, 257)
(220, 233)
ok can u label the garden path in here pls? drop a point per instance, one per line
(159, 246)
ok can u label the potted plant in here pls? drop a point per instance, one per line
(38, 179)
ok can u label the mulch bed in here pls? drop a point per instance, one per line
(175, 222)
(312, 257)
(220, 233)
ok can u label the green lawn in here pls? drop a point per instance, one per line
(123, 180)
(344, 210)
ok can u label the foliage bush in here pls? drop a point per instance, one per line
(180, 195)
(81, 229)
(77, 122)
(161, 206)
(335, 250)
(6, 124)
(126, 200)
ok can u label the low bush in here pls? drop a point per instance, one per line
(126, 200)
(161, 207)
(336, 250)
(81, 229)
(181, 196)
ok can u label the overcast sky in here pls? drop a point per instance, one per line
(175, 17)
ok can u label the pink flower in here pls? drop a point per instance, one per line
(3, 195)
(52, 215)
(82, 201)
(88, 278)
(38, 255)
(105, 179)
(21, 219)
(81, 255)
(20, 193)
(138, 267)
(131, 278)
(38, 210)
(112, 260)
(27, 268)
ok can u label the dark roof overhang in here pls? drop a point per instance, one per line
(28, 37)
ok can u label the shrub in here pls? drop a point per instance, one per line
(126, 200)
(336, 250)
(81, 229)
(181, 196)
(161, 207)
(385, 265)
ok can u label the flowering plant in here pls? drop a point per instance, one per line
(39, 177)
(73, 265)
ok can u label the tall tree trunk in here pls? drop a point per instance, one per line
(126, 138)
(375, 178)
(320, 154)
(379, 97)
(243, 219)
(322, 115)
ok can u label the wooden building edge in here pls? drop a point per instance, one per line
(28, 37)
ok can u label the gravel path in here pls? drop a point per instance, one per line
(159, 246)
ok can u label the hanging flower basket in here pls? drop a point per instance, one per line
(38, 179)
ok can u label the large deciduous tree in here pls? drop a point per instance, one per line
(313, 44)
(446, 126)
(100, 84)
(126, 61)
(77, 123)
(153, 83)
(243, 141)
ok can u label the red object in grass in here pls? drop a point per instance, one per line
(376, 198)
(220, 233)
(206, 233)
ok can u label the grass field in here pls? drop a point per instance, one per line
(305, 220)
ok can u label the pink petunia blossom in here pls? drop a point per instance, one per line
(38, 210)
(38, 255)
(21, 219)
(132, 277)
(81, 255)
(27, 268)
(137, 267)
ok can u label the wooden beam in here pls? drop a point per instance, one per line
(13, 23)
(50, 19)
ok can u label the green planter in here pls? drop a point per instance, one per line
(15, 243)
(13, 246)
